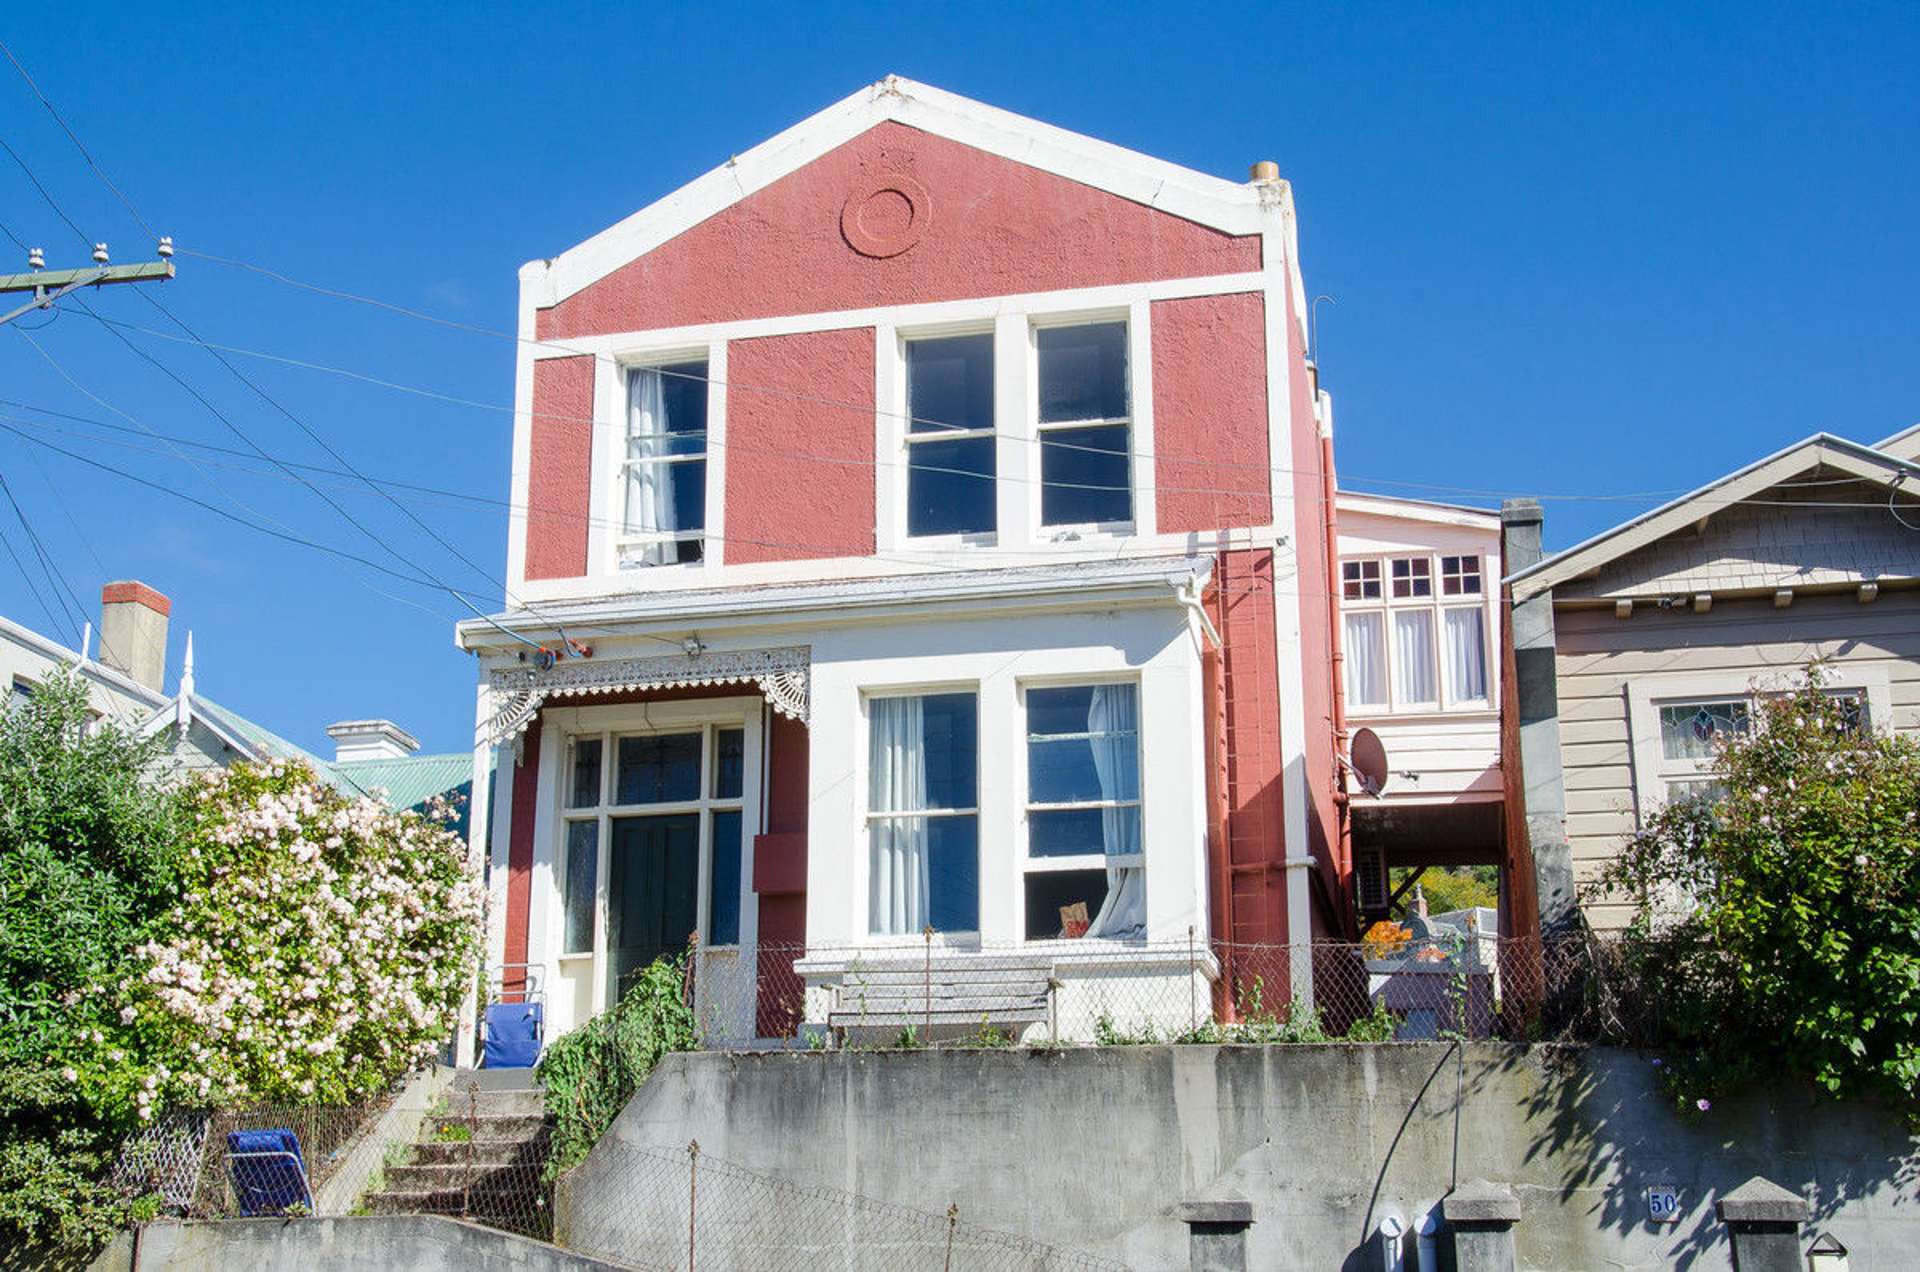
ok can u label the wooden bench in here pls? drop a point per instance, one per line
(967, 992)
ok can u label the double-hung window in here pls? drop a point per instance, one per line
(923, 816)
(1085, 425)
(950, 435)
(1084, 872)
(663, 474)
(1408, 645)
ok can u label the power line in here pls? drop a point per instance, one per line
(55, 581)
(75, 139)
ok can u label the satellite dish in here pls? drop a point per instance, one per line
(1369, 761)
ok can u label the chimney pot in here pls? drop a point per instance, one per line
(133, 631)
(370, 740)
(1266, 170)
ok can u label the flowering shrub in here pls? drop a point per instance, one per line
(320, 946)
(1776, 921)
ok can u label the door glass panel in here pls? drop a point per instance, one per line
(730, 753)
(659, 768)
(583, 866)
(652, 893)
(586, 774)
(723, 896)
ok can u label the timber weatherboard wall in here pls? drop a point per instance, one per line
(1600, 656)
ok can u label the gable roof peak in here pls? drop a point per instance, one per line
(1231, 207)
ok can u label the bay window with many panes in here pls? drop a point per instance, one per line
(1414, 633)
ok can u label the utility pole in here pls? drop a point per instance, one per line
(49, 285)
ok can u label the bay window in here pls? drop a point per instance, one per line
(1084, 873)
(1085, 425)
(663, 474)
(923, 814)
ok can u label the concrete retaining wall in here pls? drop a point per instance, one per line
(416, 1243)
(1095, 1149)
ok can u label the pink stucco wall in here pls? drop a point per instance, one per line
(1314, 596)
(1210, 412)
(992, 227)
(799, 449)
(559, 468)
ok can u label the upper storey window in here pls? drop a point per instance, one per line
(664, 470)
(950, 436)
(1409, 646)
(1084, 421)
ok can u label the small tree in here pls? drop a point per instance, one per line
(1778, 919)
(87, 867)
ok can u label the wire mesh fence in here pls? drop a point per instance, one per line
(658, 1208)
(1398, 986)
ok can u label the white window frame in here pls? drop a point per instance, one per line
(1030, 864)
(607, 537)
(1647, 694)
(1070, 531)
(1016, 399)
(608, 724)
(968, 938)
(1436, 603)
(908, 439)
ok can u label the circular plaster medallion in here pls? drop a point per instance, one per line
(885, 215)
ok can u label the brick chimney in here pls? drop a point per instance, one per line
(133, 631)
(370, 740)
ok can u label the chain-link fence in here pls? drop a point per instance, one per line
(1398, 987)
(232, 1163)
(656, 1208)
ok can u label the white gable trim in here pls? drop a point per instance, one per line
(1863, 462)
(1227, 206)
(1363, 503)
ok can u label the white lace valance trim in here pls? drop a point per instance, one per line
(783, 676)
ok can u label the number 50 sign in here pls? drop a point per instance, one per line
(1663, 1203)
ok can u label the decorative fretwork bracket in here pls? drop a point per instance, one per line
(783, 676)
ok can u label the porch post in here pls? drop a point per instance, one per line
(479, 800)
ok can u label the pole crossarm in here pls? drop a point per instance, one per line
(98, 275)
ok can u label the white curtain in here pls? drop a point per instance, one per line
(1413, 643)
(649, 486)
(1467, 653)
(897, 782)
(1113, 718)
(1365, 655)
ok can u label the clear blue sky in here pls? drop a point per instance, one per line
(1617, 250)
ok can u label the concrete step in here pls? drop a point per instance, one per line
(518, 1102)
(474, 1152)
(447, 1178)
(519, 1127)
(513, 1203)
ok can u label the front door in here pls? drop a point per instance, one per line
(653, 893)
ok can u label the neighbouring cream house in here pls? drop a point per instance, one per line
(1636, 649)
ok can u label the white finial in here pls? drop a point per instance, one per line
(183, 714)
(86, 641)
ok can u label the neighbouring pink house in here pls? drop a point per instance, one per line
(925, 519)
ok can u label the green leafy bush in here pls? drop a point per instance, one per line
(590, 1073)
(1777, 923)
(87, 867)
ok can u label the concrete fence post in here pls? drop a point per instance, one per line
(1480, 1218)
(1217, 1234)
(1763, 1223)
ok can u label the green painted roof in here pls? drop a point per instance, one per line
(405, 783)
